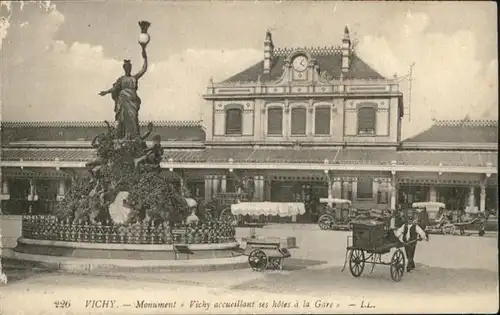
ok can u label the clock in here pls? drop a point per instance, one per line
(300, 63)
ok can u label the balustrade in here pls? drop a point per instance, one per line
(46, 227)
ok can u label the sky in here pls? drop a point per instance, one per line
(56, 57)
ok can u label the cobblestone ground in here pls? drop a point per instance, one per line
(454, 273)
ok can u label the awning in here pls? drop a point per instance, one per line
(428, 204)
(282, 209)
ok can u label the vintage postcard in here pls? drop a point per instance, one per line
(248, 157)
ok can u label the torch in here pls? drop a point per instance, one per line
(144, 37)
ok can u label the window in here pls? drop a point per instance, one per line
(322, 121)
(233, 121)
(298, 121)
(366, 120)
(365, 188)
(275, 121)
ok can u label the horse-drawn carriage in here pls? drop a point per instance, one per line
(341, 214)
(442, 221)
(338, 214)
(267, 252)
(369, 241)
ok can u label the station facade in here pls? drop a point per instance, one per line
(300, 125)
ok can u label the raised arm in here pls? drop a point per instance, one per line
(144, 65)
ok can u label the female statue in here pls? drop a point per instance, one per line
(127, 102)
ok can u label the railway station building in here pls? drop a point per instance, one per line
(299, 125)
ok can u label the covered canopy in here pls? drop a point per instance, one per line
(428, 204)
(335, 200)
(282, 209)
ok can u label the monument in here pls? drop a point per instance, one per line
(124, 202)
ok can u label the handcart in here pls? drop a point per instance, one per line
(368, 243)
(267, 252)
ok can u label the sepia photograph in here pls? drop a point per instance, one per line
(248, 157)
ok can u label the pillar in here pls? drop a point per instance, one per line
(208, 187)
(354, 190)
(375, 188)
(394, 191)
(215, 185)
(482, 200)
(61, 191)
(472, 198)
(345, 190)
(432, 193)
(330, 187)
(258, 194)
(223, 184)
(337, 188)
(4, 186)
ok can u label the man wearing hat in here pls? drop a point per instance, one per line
(410, 231)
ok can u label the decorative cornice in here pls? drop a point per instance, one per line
(316, 51)
(466, 123)
(94, 124)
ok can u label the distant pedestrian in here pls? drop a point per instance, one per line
(409, 232)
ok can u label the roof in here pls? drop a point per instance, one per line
(328, 59)
(86, 131)
(279, 156)
(458, 131)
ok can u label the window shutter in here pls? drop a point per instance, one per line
(233, 121)
(322, 121)
(366, 120)
(299, 121)
(275, 121)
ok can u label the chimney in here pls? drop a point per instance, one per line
(268, 52)
(346, 50)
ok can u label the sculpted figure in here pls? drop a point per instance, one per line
(127, 102)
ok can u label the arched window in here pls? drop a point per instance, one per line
(233, 121)
(322, 120)
(366, 120)
(275, 121)
(298, 121)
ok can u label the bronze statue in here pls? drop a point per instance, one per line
(124, 93)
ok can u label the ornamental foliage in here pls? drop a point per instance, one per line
(150, 196)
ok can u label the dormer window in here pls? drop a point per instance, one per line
(234, 121)
(366, 120)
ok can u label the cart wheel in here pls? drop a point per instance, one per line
(452, 230)
(326, 222)
(397, 265)
(257, 260)
(481, 232)
(275, 263)
(357, 262)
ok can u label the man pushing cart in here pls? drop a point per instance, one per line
(371, 239)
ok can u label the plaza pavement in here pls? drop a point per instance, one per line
(454, 273)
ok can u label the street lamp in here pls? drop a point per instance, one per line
(144, 37)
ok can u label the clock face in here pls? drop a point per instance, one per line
(300, 63)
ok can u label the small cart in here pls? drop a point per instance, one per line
(368, 242)
(269, 252)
